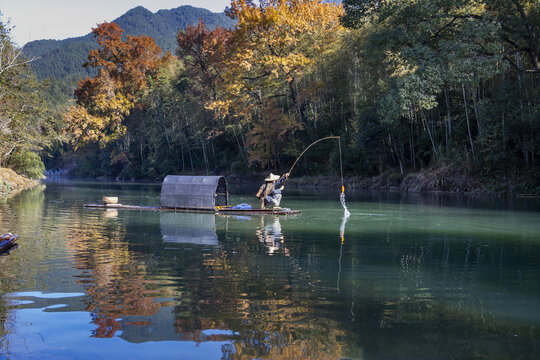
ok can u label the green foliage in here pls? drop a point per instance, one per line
(411, 84)
(460, 79)
(357, 12)
(26, 124)
(27, 163)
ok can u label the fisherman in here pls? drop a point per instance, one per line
(270, 192)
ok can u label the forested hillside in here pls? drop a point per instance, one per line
(408, 85)
(447, 88)
(62, 60)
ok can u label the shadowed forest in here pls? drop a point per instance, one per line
(408, 85)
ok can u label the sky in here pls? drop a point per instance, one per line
(60, 19)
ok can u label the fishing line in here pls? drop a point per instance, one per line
(342, 195)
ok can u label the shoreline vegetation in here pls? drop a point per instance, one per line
(12, 183)
(444, 179)
(424, 96)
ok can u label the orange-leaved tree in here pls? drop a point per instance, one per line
(275, 43)
(204, 53)
(102, 102)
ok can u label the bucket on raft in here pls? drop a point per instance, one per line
(109, 200)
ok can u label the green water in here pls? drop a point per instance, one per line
(414, 277)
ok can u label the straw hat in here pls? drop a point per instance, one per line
(272, 177)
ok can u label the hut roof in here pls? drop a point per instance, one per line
(193, 192)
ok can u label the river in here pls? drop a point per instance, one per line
(411, 277)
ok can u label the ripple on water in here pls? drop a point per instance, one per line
(400, 275)
(41, 295)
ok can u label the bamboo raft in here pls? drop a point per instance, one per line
(216, 210)
(7, 241)
(196, 194)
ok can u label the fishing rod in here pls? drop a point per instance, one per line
(342, 195)
(306, 149)
(315, 142)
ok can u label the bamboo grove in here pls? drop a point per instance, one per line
(407, 84)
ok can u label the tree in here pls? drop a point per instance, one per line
(25, 125)
(274, 44)
(519, 29)
(357, 12)
(448, 67)
(105, 100)
(11, 57)
(205, 53)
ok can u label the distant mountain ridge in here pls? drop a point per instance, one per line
(62, 60)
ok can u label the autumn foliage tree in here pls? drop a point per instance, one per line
(205, 53)
(407, 84)
(273, 45)
(102, 102)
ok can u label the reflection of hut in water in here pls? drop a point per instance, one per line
(164, 327)
(188, 228)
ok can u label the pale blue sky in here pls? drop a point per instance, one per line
(60, 19)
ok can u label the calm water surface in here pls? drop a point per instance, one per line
(416, 277)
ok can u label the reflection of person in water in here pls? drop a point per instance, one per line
(270, 235)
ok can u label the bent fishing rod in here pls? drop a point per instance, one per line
(315, 142)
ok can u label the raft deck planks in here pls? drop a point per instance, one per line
(216, 211)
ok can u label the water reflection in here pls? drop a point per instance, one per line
(188, 228)
(110, 213)
(269, 233)
(113, 278)
(413, 282)
(203, 294)
(344, 220)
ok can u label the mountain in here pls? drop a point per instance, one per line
(62, 60)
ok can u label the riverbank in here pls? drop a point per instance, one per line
(446, 178)
(11, 182)
(451, 179)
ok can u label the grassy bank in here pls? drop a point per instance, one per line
(11, 182)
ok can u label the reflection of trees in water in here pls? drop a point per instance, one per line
(269, 320)
(285, 345)
(437, 299)
(237, 288)
(19, 213)
(114, 280)
(223, 289)
(391, 302)
(387, 306)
